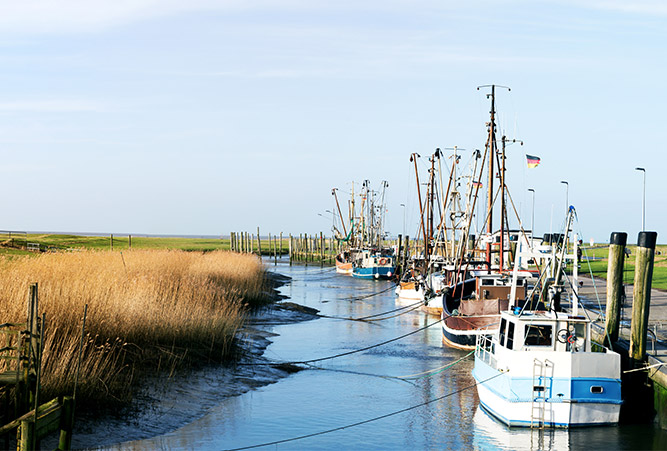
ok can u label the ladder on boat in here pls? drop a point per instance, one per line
(542, 378)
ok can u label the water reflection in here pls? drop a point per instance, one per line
(343, 391)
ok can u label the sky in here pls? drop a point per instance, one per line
(203, 117)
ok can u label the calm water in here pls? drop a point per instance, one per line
(361, 386)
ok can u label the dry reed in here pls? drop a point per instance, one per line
(147, 311)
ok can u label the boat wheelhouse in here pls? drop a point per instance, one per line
(540, 369)
(473, 308)
(372, 264)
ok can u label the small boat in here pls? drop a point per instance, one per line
(540, 370)
(344, 262)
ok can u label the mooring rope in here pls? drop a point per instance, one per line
(359, 298)
(435, 371)
(303, 362)
(644, 368)
(359, 423)
(412, 307)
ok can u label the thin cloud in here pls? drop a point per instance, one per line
(53, 106)
(635, 6)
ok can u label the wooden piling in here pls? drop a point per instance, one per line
(26, 436)
(66, 424)
(641, 295)
(129, 241)
(259, 244)
(321, 249)
(615, 287)
(111, 241)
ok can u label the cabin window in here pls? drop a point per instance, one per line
(503, 322)
(538, 335)
(510, 336)
(486, 282)
(596, 389)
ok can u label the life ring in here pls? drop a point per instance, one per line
(383, 261)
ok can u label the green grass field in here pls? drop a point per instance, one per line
(599, 265)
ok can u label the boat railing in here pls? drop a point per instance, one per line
(485, 350)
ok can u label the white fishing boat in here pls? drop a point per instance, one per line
(540, 369)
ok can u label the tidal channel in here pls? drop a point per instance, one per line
(377, 387)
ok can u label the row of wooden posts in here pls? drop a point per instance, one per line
(306, 248)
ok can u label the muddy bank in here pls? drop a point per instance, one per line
(166, 402)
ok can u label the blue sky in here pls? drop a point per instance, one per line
(203, 117)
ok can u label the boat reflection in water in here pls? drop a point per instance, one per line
(492, 434)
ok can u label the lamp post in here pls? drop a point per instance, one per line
(643, 199)
(403, 205)
(532, 221)
(567, 192)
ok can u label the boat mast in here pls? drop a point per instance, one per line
(431, 198)
(354, 226)
(503, 213)
(413, 158)
(492, 148)
(342, 221)
(383, 208)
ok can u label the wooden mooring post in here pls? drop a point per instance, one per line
(615, 287)
(641, 295)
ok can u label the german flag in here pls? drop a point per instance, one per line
(532, 161)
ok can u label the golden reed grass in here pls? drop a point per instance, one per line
(147, 311)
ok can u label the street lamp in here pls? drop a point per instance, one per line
(643, 199)
(567, 190)
(532, 222)
(403, 205)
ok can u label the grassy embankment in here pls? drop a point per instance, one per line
(122, 242)
(599, 267)
(148, 310)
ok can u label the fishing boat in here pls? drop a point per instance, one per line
(471, 305)
(374, 264)
(432, 269)
(364, 255)
(540, 368)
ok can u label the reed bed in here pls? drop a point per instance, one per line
(148, 311)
